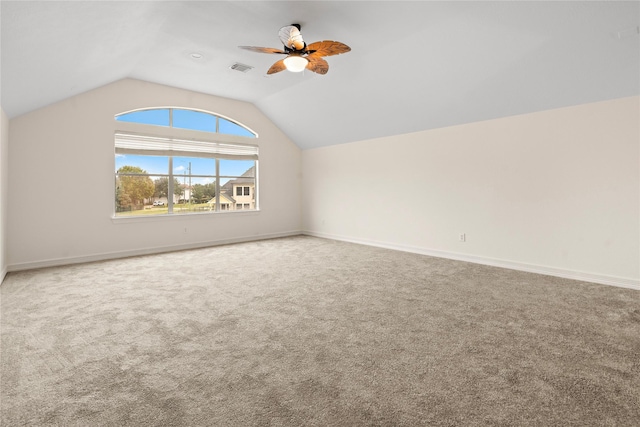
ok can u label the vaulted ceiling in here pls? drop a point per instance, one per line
(413, 65)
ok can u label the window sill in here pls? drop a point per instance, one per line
(181, 216)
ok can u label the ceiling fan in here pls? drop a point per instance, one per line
(301, 56)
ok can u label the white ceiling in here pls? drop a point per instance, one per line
(413, 65)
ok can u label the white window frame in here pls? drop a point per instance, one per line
(142, 139)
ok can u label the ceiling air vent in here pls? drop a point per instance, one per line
(241, 67)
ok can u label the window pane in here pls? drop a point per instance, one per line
(133, 163)
(233, 129)
(237, 167)
(196, 193)
(159, 117)
(196, 120)
(135, 195)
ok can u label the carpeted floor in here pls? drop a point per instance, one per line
(307, 331)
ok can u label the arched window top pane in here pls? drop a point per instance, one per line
(157, 117)
(186, 119)
(196, 120)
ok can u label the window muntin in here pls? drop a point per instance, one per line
(164, 175)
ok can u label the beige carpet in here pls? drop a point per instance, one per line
(314, 332)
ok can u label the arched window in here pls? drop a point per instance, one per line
(167, 172)
(182, 118)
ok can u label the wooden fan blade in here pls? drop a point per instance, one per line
(277, 67)
(317, 65)
(327, 48)
(263, 49)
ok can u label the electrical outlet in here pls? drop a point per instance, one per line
(462, 237)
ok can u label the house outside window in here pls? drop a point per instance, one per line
(243, 190)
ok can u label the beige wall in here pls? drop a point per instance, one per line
(555, 192)
(62, 180)
(4, 190)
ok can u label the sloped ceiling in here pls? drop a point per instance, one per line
(413, 65)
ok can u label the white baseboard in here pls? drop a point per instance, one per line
(512, 265)
(145, 251)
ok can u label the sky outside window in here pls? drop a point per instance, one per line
(149, 164)
(235, 167)
(230, 128)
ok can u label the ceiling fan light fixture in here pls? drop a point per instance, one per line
(295, 63)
